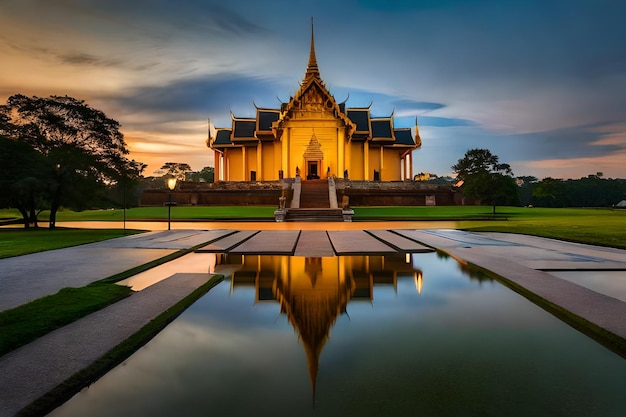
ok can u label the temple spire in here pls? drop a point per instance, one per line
(312, 71)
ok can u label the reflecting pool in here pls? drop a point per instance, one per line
(393, 335)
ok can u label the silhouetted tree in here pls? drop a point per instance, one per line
(486, 179)
(174, 169)
(85, 147)
(206, 174)
(526, 189)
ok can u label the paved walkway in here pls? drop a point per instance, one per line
(29, 372)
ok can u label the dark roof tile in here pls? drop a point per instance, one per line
(381, 129)
(266, 118)
(360, 117)
(244, 129)
(403, 137)
(222, 137)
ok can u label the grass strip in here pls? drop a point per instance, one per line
(15, 242)
(115, 356)
(23, 324)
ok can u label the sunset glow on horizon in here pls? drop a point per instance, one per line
(541, 84)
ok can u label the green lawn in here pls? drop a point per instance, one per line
(603, 227)
(425, 213)
(160, 213)
(14, 242)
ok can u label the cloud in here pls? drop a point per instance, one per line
(202, 97)
(444, 122)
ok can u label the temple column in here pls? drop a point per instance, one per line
(244, 163)
(403, 162)
(382, 158)
(366, 160)
(411, 164)
(216, 163)
(259, 161)
(348, 162)
(285, 153)
(226, 166)
(341, 147)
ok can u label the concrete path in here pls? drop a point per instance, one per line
(28, 372)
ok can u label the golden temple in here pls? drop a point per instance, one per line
(313, 136)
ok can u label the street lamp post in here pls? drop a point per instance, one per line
(171, 184)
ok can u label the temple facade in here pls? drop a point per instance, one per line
(312, 136)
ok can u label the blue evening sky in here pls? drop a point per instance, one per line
(540, 83)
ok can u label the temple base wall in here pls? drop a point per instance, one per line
(267, 193)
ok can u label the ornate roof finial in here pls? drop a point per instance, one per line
(312, 70)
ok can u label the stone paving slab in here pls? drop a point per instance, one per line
(314, 244)
(534, 252)
(548, 259)
(271, 242)
(400, 242)
(227, 243)
(33, 370)
(464, 239)
(610, 258)
(596, 252)
(354, 242)
(170, 239)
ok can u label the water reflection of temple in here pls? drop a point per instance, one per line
(313, 292)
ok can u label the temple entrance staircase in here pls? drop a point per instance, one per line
(314, 204)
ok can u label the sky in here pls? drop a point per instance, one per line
(540, 83)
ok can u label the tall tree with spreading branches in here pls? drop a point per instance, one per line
(177, 170)
(85, 147)
(486, 179)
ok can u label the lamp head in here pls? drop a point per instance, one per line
(171, 183)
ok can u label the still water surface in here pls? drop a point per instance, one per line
(360, 336)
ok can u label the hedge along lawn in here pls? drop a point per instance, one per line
(604, 227)
(20, 241)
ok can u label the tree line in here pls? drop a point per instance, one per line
(482, 178)
(591, 191)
